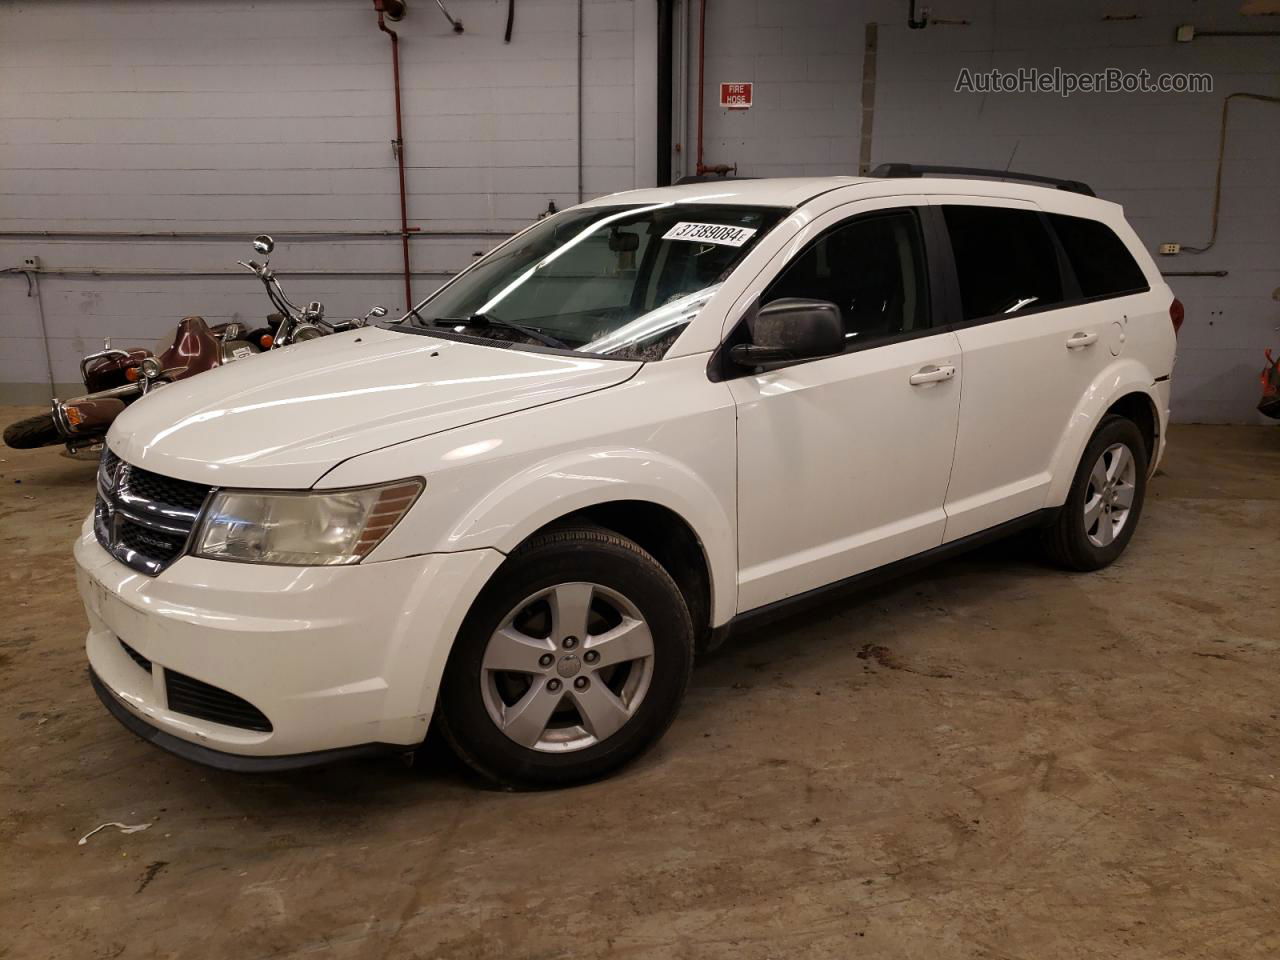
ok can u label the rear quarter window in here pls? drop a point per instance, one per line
(1103, 265)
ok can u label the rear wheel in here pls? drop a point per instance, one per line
(572, 661)
(32, 432)
(1105, 501)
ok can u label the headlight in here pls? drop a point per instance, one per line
(313, 528)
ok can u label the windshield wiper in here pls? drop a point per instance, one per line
(489, 320)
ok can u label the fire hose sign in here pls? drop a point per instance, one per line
(735, 96)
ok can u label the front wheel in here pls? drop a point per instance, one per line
(32, 432)
(572, 661)
(1105, 501)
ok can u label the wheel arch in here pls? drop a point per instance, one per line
(1125, 388)
(667, 537)
(642, 518)
(1141, 408)
(661, 504)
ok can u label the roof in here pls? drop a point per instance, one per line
(790, 192)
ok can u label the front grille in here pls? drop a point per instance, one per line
(136, 657)
(142, 518)
(195, 698)
(177, 493)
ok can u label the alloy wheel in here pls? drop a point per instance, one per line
(1109, 497)
(567, 667)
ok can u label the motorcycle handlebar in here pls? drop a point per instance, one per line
(292, 314)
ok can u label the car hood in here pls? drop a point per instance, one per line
(283, 419)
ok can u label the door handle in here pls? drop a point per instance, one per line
(932, 374)
(1078, 341)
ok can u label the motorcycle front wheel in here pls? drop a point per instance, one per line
(32, 432)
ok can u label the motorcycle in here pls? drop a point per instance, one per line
(1269, 405)
(114, 378)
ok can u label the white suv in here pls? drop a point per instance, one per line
(519, 511)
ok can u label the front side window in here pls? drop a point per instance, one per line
(1103, 265)
(872, 268)
(618, 281)
(1006, 262)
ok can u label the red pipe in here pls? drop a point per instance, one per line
(399, 148)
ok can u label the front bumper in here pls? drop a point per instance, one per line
(335, 657)
(218, 759)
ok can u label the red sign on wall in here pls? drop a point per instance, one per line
(735, 96)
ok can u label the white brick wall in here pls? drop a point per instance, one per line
(1155, 154)
(277, 115)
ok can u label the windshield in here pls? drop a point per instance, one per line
(618, 281)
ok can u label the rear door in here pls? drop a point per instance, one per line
(1031, 350)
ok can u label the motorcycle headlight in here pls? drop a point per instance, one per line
(309, 528)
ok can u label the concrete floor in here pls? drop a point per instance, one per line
(987, 760)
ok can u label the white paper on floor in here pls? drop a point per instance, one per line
(124, 828)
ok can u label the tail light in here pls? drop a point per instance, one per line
(1176, 313)
(266, 340)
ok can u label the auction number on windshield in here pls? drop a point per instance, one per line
(710, 233)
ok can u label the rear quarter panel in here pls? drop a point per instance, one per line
(1149, 335)
(1145, 346)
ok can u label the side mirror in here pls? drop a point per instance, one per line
(264, 245)
(792, 329)
(377, 312)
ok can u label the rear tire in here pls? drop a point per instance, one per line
(572, 661)
(1105, 501)
(32, 432)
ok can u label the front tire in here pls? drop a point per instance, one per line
(39, 431)
(573, 660)
(1105, 501)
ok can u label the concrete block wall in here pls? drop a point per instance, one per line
(1155, 154)
(276, 115)
(242, 117)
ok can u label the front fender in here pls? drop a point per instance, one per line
(544, 492)
(666, 436)
(1121, 378)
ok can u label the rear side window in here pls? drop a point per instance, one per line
(1102, 263)
(1006, 261)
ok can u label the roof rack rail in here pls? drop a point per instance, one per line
(920, 169)
(707, 178)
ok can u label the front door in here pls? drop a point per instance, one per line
(843, 462)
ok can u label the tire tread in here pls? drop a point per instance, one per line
(33, 432)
